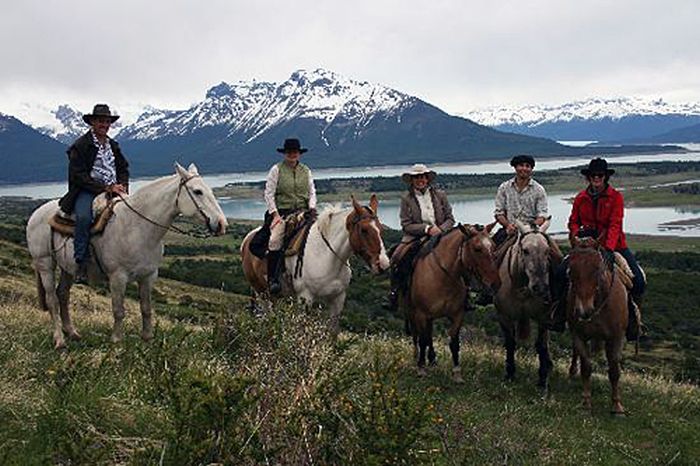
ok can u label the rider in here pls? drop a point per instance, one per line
(95, 165)
(425, 213)
(597, 212)
(519, 198)
(289, 189)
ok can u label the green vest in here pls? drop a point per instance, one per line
(292, 187)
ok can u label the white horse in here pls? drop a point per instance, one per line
(130, 248)
(325, 272)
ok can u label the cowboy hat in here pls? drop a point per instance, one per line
(418, 169)
(518, 159)
(597, 165)
(100, 110)
(291, 145)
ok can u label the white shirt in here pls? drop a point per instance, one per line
(427, 211)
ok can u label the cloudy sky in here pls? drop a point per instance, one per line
(456, 54)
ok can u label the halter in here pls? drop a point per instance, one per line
(183, 183)
(354, 222)
(519, 246)
(599, 292)
(467, 236)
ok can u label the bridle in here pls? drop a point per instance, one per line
(367, 214)
(467, 235)
(599, 292)
(182, 184)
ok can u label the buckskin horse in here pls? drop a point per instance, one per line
(130, 248)
(439, 287)
(325, 272)
(524, 294)
(596, 312)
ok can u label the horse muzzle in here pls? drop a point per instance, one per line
(219, 227)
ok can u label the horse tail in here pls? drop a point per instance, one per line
(41, 292)
(524, 328)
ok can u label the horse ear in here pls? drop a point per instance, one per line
(373, 203)
(489, 227)
(192, 169)
(356, 205)
(180, 170)
(522, 227)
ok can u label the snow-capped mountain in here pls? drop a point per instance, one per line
(615, 119)
(249, 109)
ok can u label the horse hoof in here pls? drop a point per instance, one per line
(457, 378)
(60, 346)
(147, 336)
(422, 372)
(619, 414)
(73, 335)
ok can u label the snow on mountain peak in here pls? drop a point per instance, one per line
(589, 109)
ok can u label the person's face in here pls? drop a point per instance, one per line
(292, 156)
(597, 181)
(419, 181)
(100, 125)
(523, 171)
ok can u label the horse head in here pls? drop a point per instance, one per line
(365, 234)
(476, 253)
(195, 199)
(534, 257)
(586, 269)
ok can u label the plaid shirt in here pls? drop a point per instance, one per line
(525, 205)
(104, 169)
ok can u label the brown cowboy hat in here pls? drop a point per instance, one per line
(100, 110)
(418, 169)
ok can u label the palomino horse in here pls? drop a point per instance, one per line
(130, 248)
(325, 272)
(439, 286)
(524, 294)
(597, 311)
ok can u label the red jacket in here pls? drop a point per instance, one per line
(606, 218)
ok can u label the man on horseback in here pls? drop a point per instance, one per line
(597, 213)
(289, 189)
(520, 198)
(425, 213)
(95, 165)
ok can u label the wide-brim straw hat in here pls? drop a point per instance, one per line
(418, 169)
(100, 110)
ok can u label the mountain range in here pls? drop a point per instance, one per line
(236, 127)
(624, 119)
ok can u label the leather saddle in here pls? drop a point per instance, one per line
(102, 210)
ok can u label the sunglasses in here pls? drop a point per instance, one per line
(597, 175)
(419, 176)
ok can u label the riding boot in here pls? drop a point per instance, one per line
(392, 303)
(80, 276)
(274, 259)
(634, 323)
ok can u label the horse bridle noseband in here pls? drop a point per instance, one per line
(368, 215)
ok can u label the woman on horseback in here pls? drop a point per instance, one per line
(598, 212)
(425, 213)
(289, 189)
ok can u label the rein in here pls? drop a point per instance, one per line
(598, 309)
(459, 258)
(183, 182)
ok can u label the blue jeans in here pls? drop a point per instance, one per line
(83, 221)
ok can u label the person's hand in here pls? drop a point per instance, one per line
(511, 228)
(434, 231)
(116, 189)
(275, 220)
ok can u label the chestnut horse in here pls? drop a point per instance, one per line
(439, 286)
(524, 295)
(596, 312)
(325, 271)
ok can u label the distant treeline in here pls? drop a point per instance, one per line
(690, 188)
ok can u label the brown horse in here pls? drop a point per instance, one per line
(439, 286)
(596, 312)
(524, 295)
(325, 272)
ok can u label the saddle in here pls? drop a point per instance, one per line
(102, 210)
(625, 272)
(296, 231)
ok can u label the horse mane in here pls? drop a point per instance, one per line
(324, 218)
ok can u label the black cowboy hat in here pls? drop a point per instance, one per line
(597, 165)
(518, 159)
(291, 145)
(100, 110)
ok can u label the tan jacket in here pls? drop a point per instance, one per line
(411, 220)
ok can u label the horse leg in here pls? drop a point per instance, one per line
(573, 367)
(145, 289)
(542, 347)
(509, 338)
(63, 294)
(420, 329)
(45, 269)
(432, 358)
(453, 333)
(117, 286)
(613, 352)
(585, 356)
(336, 307)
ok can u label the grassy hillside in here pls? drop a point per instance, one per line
(219, 385)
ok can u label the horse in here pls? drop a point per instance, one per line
(525, 294)
(439, 287)
(130, 247)
(596, 312)
(325, 272)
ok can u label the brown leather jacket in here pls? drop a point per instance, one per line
(412, 223)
